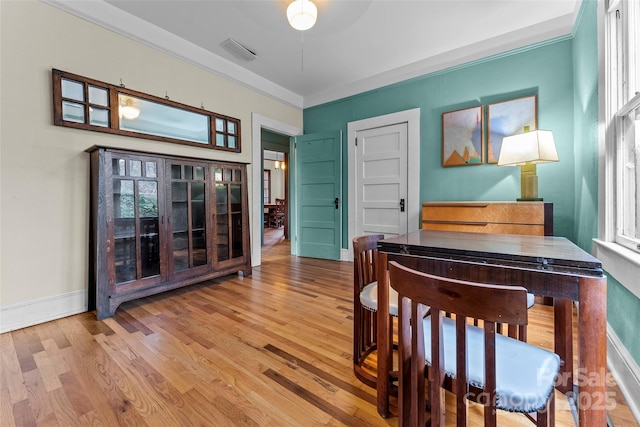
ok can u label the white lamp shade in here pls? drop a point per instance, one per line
(530, 147)
(302, 14)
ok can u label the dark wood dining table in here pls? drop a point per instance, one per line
(548, 266)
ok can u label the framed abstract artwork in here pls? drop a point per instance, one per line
(509, 118)
(463, 137)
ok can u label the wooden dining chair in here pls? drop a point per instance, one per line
(365, 304)
(475, 363)
(279, 213)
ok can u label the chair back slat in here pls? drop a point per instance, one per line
(489, 374)
(460, 384)
(365, 257)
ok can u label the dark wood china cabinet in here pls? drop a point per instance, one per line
(162, 222)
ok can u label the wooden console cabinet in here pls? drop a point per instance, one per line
(163, 222)
(531, 218)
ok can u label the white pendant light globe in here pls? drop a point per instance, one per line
(302, 14)
(129, 111)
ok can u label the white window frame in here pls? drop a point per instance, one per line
(621, 262)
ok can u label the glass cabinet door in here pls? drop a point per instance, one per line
(136, 207)
(229, 208)
(188, 216)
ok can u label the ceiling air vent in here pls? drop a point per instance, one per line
(238, 50)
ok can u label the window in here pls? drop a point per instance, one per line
(266, 183)
(623, 143)
(628, 175)
(83, 103)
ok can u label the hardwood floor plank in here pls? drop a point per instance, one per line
(46, 371)
(54, 354)
(26, 343)
(38, 396)
(76, 393)
(63, 409)
(51, 330)
(316, 401)
(130, 324)
(22, 414)
(93, 325)
(207, 410)
(12, 379)
(6, 409)
(344, 385)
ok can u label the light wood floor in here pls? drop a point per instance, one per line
(272, 349)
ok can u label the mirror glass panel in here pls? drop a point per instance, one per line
(98, 96)
(72, 112)
(152, 118)
(72, 90)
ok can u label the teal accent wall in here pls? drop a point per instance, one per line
(623, 316)
(545, 70)
(585, 118)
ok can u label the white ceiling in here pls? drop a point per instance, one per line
(355, 45)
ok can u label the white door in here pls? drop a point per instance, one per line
(381, 180)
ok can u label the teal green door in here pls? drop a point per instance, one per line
(318, 178)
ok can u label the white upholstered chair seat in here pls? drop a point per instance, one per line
(525, 374)
(369, 298)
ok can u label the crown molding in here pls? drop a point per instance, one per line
(110, 17)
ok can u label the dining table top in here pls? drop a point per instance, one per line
(557, 254)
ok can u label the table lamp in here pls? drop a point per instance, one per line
(526, 150)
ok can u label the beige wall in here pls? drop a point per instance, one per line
(44, 171)
(277, 180)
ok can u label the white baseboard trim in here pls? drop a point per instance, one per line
(21, 315)
(344, 255)
(625, 371)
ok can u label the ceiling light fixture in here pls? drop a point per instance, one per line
(302, 14)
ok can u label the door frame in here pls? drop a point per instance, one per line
(412, 118)
(259, 122)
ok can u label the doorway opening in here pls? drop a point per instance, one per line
(275, 190)
(259, 124)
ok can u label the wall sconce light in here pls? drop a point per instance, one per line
(128, 110)
(526, 150)
(302, 14)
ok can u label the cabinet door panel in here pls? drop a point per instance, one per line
(222, 222)
(188, 194)
(230, 211)
(136, 204)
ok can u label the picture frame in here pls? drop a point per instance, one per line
(508, 118)
(463, 137)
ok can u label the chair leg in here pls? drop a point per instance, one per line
(547, 417)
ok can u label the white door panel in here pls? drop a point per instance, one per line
(381, 180)
(382, 192)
